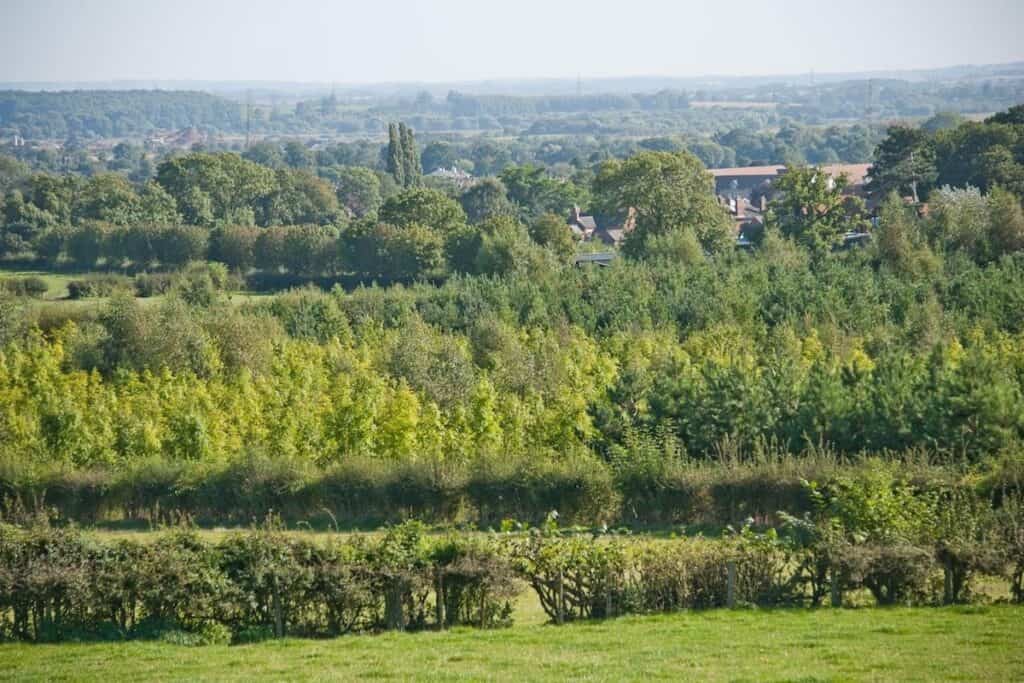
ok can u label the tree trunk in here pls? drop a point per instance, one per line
(394, 618)
(439, 592)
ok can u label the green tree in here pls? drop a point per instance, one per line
(551, 231)
(485, 199)
(424, 206)
(904, 162)
(412, 170)
(1006, 222)
(395, 162)
(358, 189)
(667, 191)
(811, 208)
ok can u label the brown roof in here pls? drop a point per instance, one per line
(746, 171)
(856, 173)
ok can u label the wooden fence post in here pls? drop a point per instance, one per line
(276, 606)
(560, 618)
(836, 589)
(947, 581)
(608, 595)
(730, 593)
(439, 592)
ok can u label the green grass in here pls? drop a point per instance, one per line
(973, 643)
(57, 283)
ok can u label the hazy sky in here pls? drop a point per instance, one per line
(433, 40)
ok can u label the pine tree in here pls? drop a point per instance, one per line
(396, 157)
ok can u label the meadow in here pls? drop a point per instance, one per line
(956, 643)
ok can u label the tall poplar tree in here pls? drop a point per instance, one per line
(410, 156)
(396, 158)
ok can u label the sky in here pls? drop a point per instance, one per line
(338, 41)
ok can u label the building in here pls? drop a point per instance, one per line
(582, 225)
(742, 181)
(455, 175)
(611, 230)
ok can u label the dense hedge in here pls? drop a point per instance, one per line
(61, 584)
(368, 491)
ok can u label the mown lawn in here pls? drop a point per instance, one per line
(968, 643)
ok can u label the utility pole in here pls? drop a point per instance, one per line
(248, 118)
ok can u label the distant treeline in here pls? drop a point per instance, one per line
(105, 113)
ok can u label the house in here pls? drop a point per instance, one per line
(611, 230)
(455, 175)
(735, 182)
(582, 225)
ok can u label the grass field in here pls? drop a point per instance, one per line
(969, 643)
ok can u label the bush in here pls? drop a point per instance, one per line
(895, 574)
(153, 284)
(97, 286)
(25, 286)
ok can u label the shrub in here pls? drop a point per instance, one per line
(474, 582)
(270, 579)
(32, 286)
(153, 284)
(97, 286)
(181, 582)
(895, 574)
(574, 577)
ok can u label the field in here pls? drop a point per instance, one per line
(970, 643)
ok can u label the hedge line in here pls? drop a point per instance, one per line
(60, 584)
(360, 492)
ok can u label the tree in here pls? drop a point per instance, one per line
(86, 244)
(395, 155)
(485, 199)
(297, 155)
(667, 191)
(412, 169)
(265, 154)
(958, 220)
(536, 192)
(298, 197)
(551, 231)
(234, 246)
(438, 154)
(107, 197)
(383, 250)
(898, 239)
(357, 188)
(215, 187)
(423, 206)
(904, 162)
(1012, 116)
(812, 209)
(156, 206)
(12, 172)
(1006, 222)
